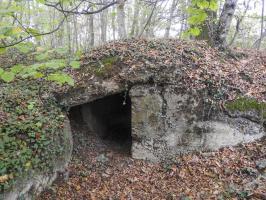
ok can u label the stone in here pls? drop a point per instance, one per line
(250, 171)
(261, 164)
(102, 158)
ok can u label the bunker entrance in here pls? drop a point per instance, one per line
(108, 118)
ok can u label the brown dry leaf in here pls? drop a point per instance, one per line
(4, 178)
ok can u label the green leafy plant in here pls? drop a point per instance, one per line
(198, 14)
(7, 76)
(27, 132)
(49, 65)
(61, 78)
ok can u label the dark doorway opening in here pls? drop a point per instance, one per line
(108, 118)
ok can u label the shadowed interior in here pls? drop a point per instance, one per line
(108, 117)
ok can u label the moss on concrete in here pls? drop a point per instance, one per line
(247, 104)
(105, 66)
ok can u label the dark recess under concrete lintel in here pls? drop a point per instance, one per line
(108, 117)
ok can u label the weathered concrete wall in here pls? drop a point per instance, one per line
(94, 123)
(147, 122)
(167, 121)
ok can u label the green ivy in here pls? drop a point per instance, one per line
(29, 125)
(28, 128)
(48, 64)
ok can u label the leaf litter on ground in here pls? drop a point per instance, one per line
(103, 170)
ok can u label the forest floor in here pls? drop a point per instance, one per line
(102, 170)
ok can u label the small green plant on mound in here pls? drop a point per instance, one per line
(243, 104)
(28, 128)
(105, 66)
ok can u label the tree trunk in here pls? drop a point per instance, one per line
(69, 37)
(121, 19)
(169, 20)
(183, 19)
(224, 23)
(134, 27)
(51, 21)
(258, 41)
(208, 28)
(147, 30)
(113, 23)
(75, 39)
(262, 26)
(239, 21)
(91, 30)
(103, 19)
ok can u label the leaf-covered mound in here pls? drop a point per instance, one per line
(195, 64)
(29, 127)
(32, 134)
(220, 78)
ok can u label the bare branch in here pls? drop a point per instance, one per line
(149, 19)
(258, 41)
(31, 35)
(66, 12)
(239, 21)
(87, 11)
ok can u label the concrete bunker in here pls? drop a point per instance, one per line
(108, 117)
(176, 105)
(156, 122)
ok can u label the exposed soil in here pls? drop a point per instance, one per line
(102, 169)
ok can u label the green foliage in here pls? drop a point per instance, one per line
(7, 76)
(55, 64)
(61, 51)
(41, 1)
(198, 14)
(27, 132)
(104, 67)
(28, 125)
(61, 78)
(25, 47)
(2, 50)
(42, 56)
(16, 69)
(113, 14)
(48, 66)
(75, 64)
(32, 31)
(11, 28)
(195, 31)
(205, 4)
